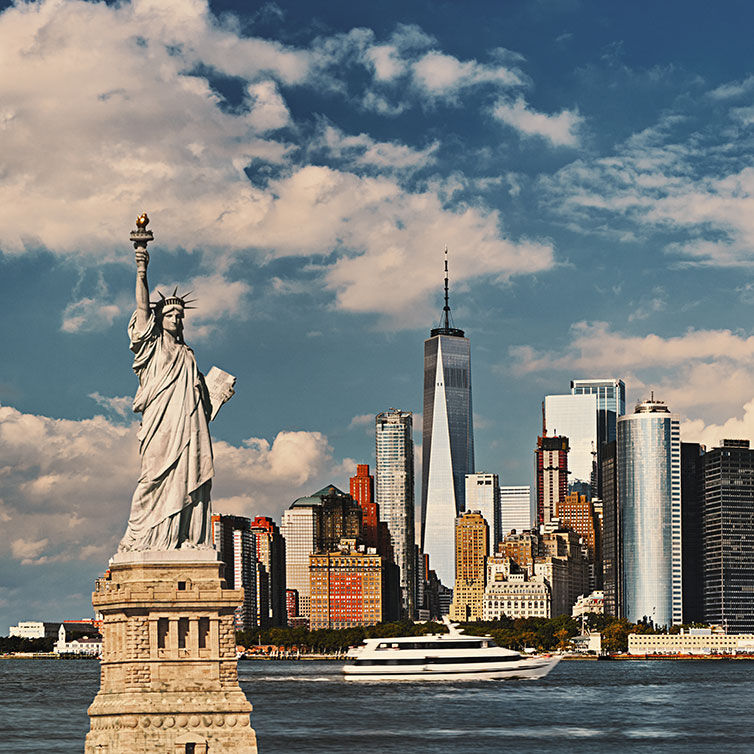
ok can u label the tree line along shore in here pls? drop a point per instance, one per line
(541, 634)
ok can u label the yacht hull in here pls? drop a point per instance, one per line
(530, 669)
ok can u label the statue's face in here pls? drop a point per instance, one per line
(172, 321)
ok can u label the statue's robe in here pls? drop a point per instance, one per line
(171, 505)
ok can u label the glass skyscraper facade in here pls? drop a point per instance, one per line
(447, 444)
(692, 513)
(649, 504)
(575, 417)
(394, 495)
(611, 403)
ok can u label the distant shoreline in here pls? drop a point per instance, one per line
(331, 658)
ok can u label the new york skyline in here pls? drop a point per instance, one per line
(589, 169)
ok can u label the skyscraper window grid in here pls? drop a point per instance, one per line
(575, 416)
(611, 403)
(394, 494)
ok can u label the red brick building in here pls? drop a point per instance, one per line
(350, 587)
(374, 533)
(576, 513)
(362, 491)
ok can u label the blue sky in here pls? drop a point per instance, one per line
(589, 166)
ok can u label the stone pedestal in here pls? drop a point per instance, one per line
(169, 679)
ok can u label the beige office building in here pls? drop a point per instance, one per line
(472, 537)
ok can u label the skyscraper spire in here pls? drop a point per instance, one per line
(446, 308)
(448, 438)
(445, 327)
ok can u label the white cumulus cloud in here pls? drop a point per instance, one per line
(562, 129)
(67, 484)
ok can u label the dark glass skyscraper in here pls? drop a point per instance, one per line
(448, 440)
(728, 528)
(692, 507)
(612, 571)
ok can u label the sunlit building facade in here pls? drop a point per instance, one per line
(348, 588)
(316, 523)
(483, 495)
(517, 596)
(515, 510)
(299, 528)
(611, 403)
(575, 417)
(649, 501)
(471, 543)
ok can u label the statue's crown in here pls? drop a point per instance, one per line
(173, 300)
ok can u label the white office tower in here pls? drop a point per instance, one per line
(299, 529)
(649, 501)
(483, 495)
(394, 494)
(515, 510)
(447, 440)
(575, 417)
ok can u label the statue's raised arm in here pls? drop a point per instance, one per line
(141, 237)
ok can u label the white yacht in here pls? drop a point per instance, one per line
(441, 657)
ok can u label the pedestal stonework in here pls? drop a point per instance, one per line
(169, 678)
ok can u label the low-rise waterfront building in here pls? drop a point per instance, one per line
(701, 641)
(589, 643)
(77, 645)
(34, 629)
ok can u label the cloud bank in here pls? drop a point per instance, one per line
(138, 121)
(67, 485)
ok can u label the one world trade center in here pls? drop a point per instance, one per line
(447, 440)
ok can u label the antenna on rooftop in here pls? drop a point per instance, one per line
(445, 327)
(446, 308)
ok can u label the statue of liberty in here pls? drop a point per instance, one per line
(170, 508)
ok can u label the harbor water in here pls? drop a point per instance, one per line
(636, 706)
